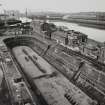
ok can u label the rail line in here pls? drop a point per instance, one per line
(97, 64)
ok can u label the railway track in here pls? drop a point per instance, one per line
(69, 51)
(97, 64)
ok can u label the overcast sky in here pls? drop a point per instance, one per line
(54, 5)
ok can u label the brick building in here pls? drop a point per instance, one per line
(70, 38)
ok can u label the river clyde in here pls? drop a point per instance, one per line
(93, 33)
